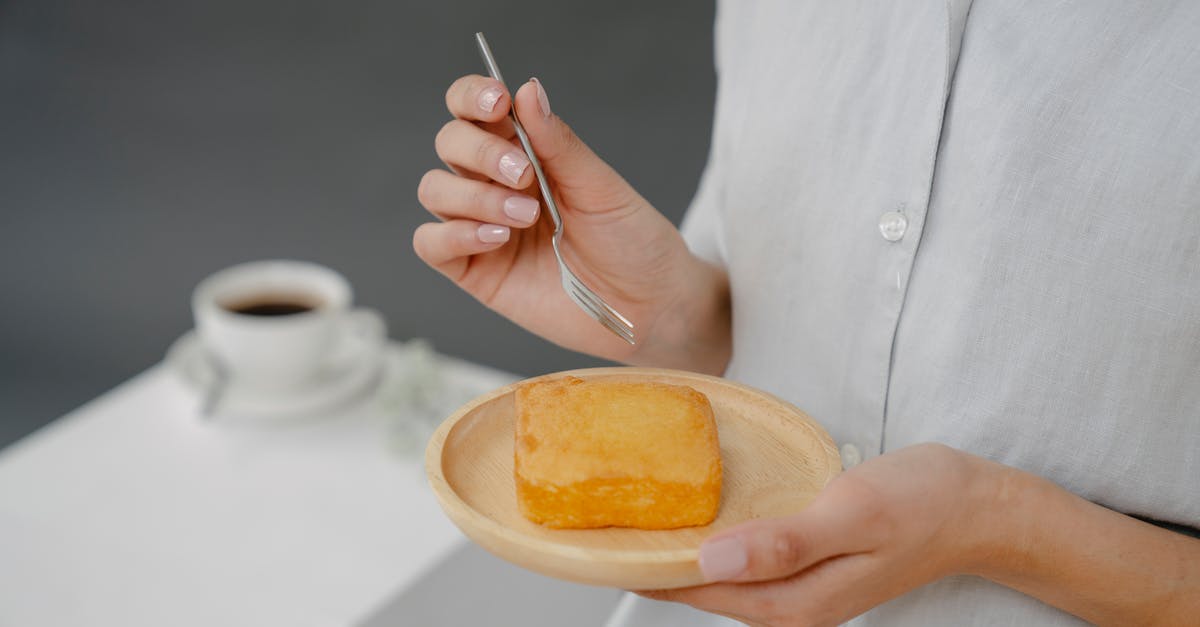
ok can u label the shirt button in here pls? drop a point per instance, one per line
(850, 456)
(892, 225)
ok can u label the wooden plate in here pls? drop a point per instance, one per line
(775, 460)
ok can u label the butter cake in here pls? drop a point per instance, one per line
(599, 454)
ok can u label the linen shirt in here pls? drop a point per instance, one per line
(975, 224)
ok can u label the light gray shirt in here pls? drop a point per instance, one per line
(976, 225)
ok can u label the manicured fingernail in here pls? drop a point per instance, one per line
(722, 559)
(489, 97)
(492, 233)
(512, 166)
(523, 209)
(543, 101)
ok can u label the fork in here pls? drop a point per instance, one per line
(581, 294)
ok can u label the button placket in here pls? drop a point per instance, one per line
(902, 228)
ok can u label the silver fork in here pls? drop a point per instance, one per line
(588, 300)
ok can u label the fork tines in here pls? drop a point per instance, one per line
(596, 307)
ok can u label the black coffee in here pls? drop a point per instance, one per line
(272, 306)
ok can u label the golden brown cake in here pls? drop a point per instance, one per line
(600, 454)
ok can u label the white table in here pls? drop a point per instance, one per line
(132, 510)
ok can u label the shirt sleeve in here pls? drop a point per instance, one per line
(702, 225)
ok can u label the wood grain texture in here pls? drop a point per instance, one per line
(775, 459)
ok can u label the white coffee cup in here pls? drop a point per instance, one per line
(279, 324)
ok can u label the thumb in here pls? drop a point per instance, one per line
(767, 549)
(568, 161)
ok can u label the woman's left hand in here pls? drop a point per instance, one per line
(883, 528)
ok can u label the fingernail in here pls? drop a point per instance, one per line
(512, 166)
(722, 559)
(523, 209)
(492, 233)
(543, 101)
(489, 97)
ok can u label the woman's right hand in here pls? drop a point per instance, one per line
(491, 243)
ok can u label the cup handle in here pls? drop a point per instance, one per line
(363, 331)
(366, 323)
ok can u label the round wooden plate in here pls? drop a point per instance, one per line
(775, 460)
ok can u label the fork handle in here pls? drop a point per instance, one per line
(494, 70)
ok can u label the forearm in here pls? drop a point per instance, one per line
(694, 330)
(1105, 567)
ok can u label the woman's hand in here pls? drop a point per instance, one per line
(910, 517)
(883, 528)
(491, 243)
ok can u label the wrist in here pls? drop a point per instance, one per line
(993, 523)
(1009, 503)
(1105, 567)
(693, 331)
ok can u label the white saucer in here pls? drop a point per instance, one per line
(357, 371)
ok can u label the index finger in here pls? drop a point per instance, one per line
(478, 98)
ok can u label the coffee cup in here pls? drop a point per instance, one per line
(279, 324)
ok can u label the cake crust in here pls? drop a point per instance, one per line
(598, 454)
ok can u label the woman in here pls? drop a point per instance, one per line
(964, 238)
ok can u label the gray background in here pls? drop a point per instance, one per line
(145, 144)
